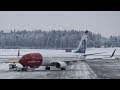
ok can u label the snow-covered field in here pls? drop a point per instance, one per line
(88, 50)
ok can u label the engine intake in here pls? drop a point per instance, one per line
(61, 64)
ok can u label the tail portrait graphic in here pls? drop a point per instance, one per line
(83, 44)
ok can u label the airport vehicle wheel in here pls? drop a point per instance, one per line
(63, 68)
(47, 68)
(24, 69)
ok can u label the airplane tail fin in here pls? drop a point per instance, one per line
(83, 43)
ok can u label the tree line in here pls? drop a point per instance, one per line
(54, 39)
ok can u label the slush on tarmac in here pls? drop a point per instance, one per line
(78, 70)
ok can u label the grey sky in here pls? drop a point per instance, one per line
(105, 22)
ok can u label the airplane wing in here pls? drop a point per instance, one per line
(11, 61)
(68, 61)
(9, 58)
(93, 54)
(109, 57)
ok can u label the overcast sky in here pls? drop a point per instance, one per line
(104, 22)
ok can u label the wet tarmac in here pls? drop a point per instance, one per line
(90, 69)
(79, 70)
(105, 69)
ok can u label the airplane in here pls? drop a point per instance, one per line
(61, 60)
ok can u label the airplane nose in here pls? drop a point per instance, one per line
(31, 60)
(23, 62)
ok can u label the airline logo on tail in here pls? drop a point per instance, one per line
(83, 44)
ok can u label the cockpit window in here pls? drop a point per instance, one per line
(25, 57)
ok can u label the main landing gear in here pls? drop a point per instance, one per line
(47, 68)
(63, 68)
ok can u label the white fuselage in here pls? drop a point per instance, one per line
(62, 57)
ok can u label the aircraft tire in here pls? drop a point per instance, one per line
(63, 68)
(47, 68)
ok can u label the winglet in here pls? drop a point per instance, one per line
(113, 53)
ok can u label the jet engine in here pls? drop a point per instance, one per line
(61, 65)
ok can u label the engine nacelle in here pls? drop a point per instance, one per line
(60, 64)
